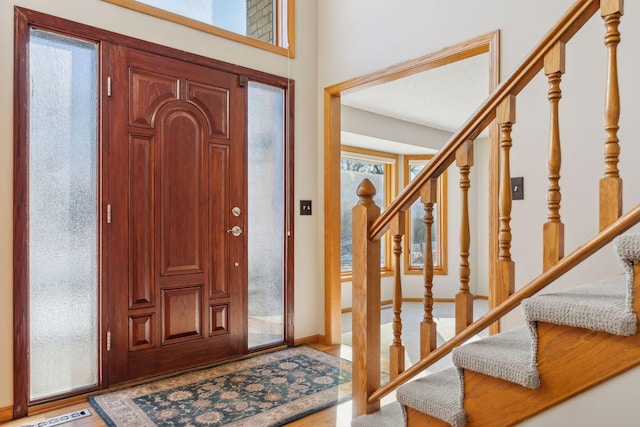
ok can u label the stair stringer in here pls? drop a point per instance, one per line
(570, 360)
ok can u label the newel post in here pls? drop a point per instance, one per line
(366, 302)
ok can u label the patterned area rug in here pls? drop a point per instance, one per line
(268, 390)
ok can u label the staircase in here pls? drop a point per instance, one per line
(572, 340)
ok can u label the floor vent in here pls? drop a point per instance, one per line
(61, 419)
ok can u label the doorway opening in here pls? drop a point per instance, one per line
(485, 44)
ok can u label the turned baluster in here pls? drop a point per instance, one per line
(428, 332)
(505, 268)
(553, 230)
(464, 298)
(366, 302)
(611, 183)
(396, 350)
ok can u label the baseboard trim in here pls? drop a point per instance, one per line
(6, 414)
(313, 339)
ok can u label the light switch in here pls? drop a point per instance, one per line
(517, 188)
(305, 207)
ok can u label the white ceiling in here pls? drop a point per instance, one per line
(442, 98)
(363, 141)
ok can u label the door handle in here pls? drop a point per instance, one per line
(236, 230)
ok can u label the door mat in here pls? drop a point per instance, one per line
(267, 390)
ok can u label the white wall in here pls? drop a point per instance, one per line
(389, 129)
(446, 285)
(360, 38)
(108, 16)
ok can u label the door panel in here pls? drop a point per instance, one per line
(180, 140)
(218, 209)
(141, 289)
(177, 287)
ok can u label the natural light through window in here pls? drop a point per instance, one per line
(414, 255)
(356, 165)
(228, 14)
(266, 24)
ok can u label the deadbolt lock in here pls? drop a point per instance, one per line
(236, 211)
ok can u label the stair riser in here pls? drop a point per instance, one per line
(570, 360)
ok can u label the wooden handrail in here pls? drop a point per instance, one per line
(581, 253)
(580, 12)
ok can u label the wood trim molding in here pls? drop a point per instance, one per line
(6, 414)
(448, 55)
(313, 339)
(221, 32)
(20, 230)
(487, 43)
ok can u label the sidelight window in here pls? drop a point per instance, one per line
(62, 214)
(266, 198)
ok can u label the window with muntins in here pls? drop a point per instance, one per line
(380, 168)
(416, 231)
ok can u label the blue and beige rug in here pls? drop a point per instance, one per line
(267, 390)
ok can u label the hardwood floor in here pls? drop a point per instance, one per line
(335, 416)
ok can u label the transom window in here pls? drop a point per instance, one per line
(267, 24)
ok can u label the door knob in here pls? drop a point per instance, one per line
(235, 230)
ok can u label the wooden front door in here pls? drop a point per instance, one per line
(176, 280)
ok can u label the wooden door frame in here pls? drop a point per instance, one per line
(487, 43)
(24, 19)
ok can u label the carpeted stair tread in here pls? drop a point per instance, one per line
(598, 306)
(437, 395)
(390, 415)
(508, 356)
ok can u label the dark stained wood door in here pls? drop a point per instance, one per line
(177, 275)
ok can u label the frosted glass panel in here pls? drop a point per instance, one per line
(266, 214)
(62, 214)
